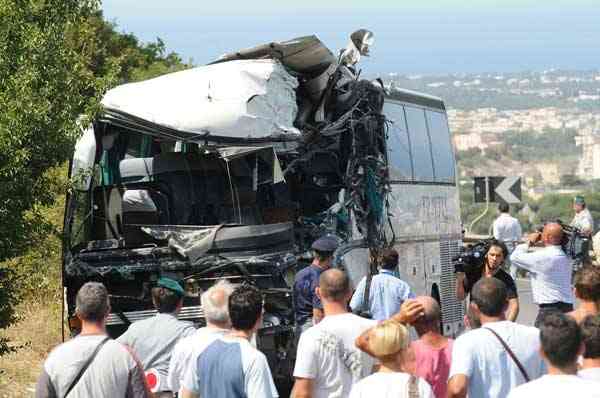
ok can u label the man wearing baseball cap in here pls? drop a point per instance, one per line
(153, 339)
(583, 218)
(309, 310)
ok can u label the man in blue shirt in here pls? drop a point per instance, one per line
(308, 307)
(387, 291)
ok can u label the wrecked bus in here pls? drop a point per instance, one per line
(232, 169)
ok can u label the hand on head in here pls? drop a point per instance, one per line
(410, 311)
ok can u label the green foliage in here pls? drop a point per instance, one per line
(46, 85)
(531, 146)
(133, 60)
(8, 300)
(57, 58)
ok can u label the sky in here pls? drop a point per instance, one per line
(411, 37)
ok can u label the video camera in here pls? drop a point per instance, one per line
(574, 243)
(471, 257)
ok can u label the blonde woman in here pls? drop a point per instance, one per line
(388, 343)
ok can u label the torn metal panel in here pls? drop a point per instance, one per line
(305, 55)
(191, 244)
(239, 99)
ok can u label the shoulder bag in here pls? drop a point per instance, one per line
(512, 354)
(85, 366)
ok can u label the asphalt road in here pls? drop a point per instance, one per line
(527, 309)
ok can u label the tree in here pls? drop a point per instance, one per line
(45, 85)
(57, 58)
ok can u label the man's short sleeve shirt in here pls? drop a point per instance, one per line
(230, 368)
(479, 355)
(305, 297)
(503, 276)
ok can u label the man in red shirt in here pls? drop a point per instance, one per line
(432, 351)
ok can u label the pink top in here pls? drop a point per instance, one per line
(433, 364)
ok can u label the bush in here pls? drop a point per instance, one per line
(8, 300)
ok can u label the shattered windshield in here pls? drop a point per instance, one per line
(143, 180)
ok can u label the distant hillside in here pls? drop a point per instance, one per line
(543, 158)
(523, 90)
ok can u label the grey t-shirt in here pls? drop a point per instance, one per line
(154, 339)
(114, 372)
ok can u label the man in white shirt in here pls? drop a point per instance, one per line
(551, 271)
(561, 345)
(231, 367)
(328, 363)
(481, 366)
(507, 229)
(590, 366)
(214, 305)
(583, 218)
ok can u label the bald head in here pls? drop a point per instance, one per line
(334, 285)
(552, 234)
(431, 308)
(430, 321)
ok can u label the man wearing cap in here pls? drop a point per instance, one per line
(153, 339)
(583, 218)
(309, 310)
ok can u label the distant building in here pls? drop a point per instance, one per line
(589, 164)
(463, 142)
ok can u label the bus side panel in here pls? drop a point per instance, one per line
(426, 222)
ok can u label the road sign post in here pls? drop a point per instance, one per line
(495, 189)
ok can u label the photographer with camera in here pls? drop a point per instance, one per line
(551, 270)
(485, 259)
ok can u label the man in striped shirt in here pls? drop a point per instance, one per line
(551, 271)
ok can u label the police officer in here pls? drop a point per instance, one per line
(583, 218)
(307, 304)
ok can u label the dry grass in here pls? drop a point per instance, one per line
(37, 332)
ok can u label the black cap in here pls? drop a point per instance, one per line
(325, 243)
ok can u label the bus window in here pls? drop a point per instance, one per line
(398, 143)
(419, 144)
(443, 156)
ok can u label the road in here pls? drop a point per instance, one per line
(528, 310)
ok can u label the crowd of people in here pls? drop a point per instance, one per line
(351, 342)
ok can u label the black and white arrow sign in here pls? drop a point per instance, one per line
(509, 190)
(500, 189)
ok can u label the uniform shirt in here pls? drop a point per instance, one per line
(492, 373)
(501, 275)
(230, 367)
(386, 295)
(583, 221)
(114, 372)
(305, 297)
(188, 349)
(327, 355)
(551, 273)
(507, 229)
(153, 340)
(550, 386)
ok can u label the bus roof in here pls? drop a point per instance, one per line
(414, 97)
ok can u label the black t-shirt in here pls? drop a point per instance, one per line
(509, 282)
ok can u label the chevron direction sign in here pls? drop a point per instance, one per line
(501, 189)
